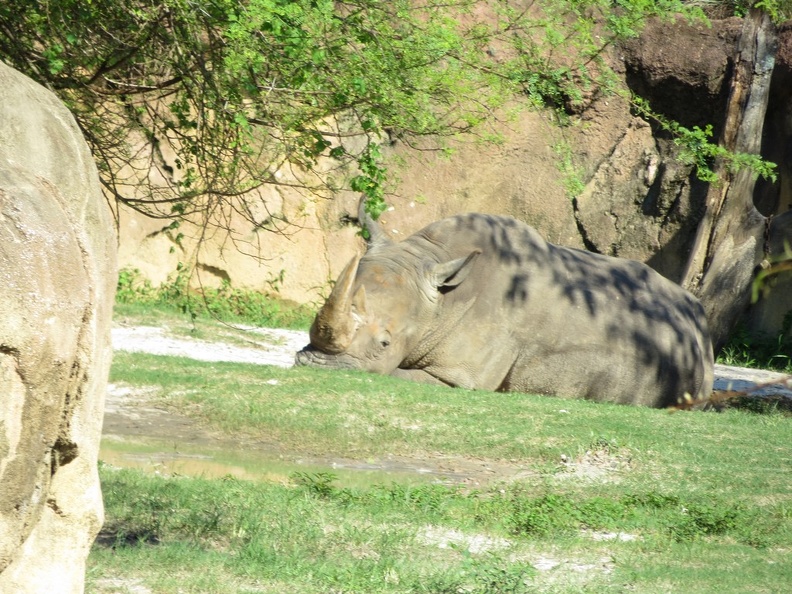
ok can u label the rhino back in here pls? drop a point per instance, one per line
(536, 317)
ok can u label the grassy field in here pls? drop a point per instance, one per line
(589, 497)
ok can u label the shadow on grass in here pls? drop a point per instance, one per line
(760, 405)
(113, 538)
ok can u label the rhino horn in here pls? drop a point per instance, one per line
(334, 326)
(376, 236)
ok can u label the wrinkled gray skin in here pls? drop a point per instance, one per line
(483, 302)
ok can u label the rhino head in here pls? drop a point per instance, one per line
(381, 307)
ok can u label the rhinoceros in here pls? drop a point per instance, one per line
(484, 302)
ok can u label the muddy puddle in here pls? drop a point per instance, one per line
(138, 435)
(165, 458)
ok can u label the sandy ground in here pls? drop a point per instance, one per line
(757, 381)
(278, 345)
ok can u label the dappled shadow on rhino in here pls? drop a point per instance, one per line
(481, 301)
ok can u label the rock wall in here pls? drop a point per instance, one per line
(295, 259)
(57, 283)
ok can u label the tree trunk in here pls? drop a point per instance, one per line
(730, 241)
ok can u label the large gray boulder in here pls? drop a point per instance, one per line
(57, 283)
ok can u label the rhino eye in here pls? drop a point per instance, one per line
(385, 343)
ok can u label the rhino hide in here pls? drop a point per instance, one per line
(483, 302)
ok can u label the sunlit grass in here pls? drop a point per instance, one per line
(359, 415)
(611, 497)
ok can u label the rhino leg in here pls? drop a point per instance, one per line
(418, 375)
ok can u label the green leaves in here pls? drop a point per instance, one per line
(698, 148)
(779, 10)
(238, 89)
(370, 182)
(54, 61)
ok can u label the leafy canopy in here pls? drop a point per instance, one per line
(225, 96)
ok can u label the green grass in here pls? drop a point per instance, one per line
(136, 297)
(355, 414)
(705, 498)
(194, 535)
(769, 352)
(230, 536)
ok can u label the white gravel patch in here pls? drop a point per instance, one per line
(564, 566)
(445, 538)
(742, 378)
(277, 346)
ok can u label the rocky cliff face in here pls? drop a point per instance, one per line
(57, 282)
(637, 200)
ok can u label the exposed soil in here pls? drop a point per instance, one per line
(131, 416)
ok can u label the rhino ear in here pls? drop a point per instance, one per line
(452, 273)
